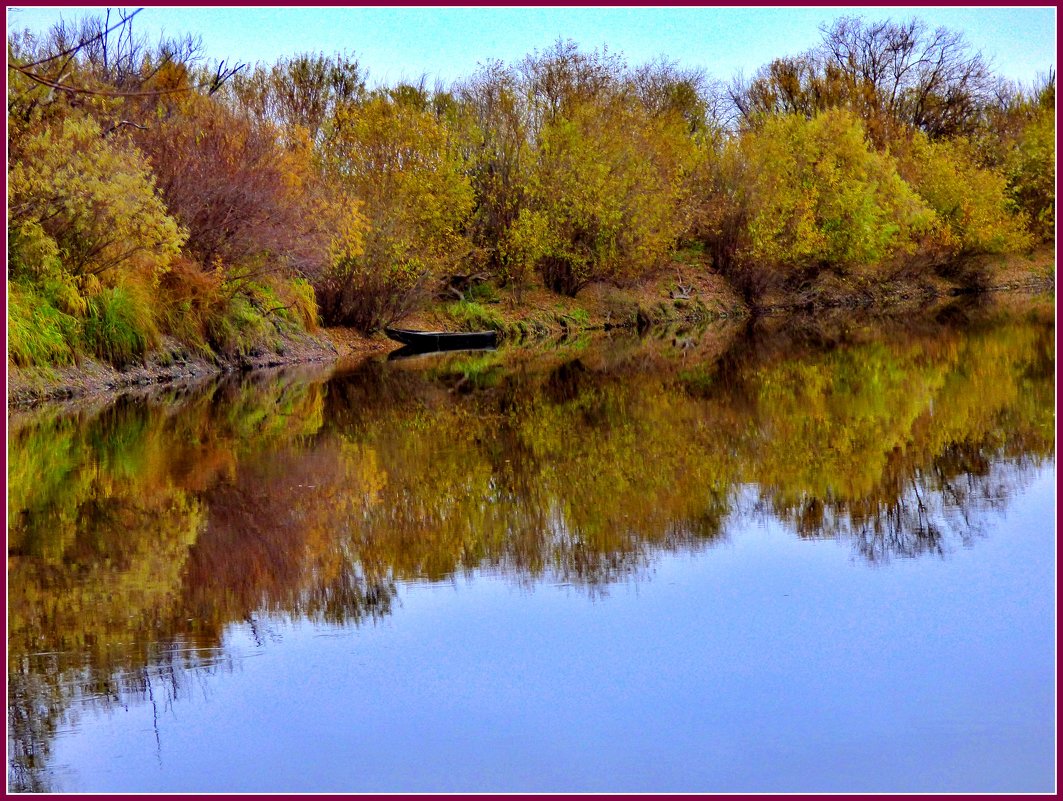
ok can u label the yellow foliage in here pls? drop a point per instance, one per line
(975, 213)
(95, 198)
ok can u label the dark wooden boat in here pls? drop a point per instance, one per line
(442, 340)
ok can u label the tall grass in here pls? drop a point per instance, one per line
(37, 332)
(120, 325)
(240, 329)
(473, 316)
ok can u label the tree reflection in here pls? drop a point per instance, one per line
(140, 532)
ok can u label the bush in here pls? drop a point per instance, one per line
(604, 196)
(782, 203)
(304, 303)
(399, 165)
(94, 198)
(1031, 173)
(974, 212)
(818, 195)
(189, 297)
(239, 329)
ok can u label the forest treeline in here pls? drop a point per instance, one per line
(151, 193)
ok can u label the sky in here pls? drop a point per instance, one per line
(447, 43)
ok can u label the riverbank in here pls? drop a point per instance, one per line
(174, 363)
(681, 293)
(692, 292)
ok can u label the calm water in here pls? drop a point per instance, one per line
(742, 559)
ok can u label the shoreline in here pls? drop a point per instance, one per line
(171, 365)
(534, 315)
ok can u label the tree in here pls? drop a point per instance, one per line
(604, 194)
(498, 163)
(974, 212)
(1018, 139)
(85, 206)
(397, 164)
(797, 196)
(303, 91)
(893, 75)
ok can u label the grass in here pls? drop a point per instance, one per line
(38, 334)
(240, 330)
(473, 316)
(120, 326)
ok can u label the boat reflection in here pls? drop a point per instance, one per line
(411, 352)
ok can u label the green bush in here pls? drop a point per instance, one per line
(240, 329)
(482, 292)
(975, 213)
(1031, 173)
(819, 194)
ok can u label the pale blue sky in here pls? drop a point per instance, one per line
(447, 43)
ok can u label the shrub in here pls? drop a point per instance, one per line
(189, 297)
(399, 166)
(604, 199)
(239, 329)
(1031, 173)
(974, 212)
(304, 303)
(818, 195)
(94, 198)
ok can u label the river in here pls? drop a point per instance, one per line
(761, 556)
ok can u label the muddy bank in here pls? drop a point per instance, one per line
(173, 363)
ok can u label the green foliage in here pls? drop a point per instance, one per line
(304, 303)
(581, 317)
(604, 195)
(150, 195)
(482, 292)
(473, 316)
(120, 326)
(37, 332)
(1030, 169)
(239, 329)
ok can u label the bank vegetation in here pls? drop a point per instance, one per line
(153, 196)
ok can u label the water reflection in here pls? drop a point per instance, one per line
(139, 531)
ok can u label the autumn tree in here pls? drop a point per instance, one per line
(302, 91)
(974, 212)
(798, 196)
(603, 196)
(396, 165)
(498, 163)
(891, 74)
(1017, 138)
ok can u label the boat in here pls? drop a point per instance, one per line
(443, 340)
